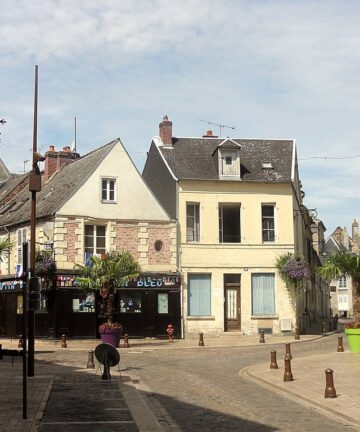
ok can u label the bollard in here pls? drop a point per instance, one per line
(63, 341)
(21, 342)
(273, 362)
(1, 356)
(262, 337)
(288, 350)
(323, 327)
(90, 363)
(297, 334)
(330, 391)
(288, 376)
(201, 339)
(340, 347)
(126, 341)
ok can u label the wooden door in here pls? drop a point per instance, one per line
(232, 302)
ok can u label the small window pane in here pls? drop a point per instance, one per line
(163, 303)
(100, 230)
(84, 302)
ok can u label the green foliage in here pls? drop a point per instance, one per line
(107, 274)
(5, 247)
(340, 264)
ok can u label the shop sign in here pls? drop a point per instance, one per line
(143, 281)
(11, 286)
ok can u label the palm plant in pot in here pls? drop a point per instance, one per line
(106, 274)
(346, 264)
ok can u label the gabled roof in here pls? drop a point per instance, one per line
(192, 158)
(333, 246)
(10, 185)
(57, 190)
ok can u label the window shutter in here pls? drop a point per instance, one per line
(263, 294)
(199, 295)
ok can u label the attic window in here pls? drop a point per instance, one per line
(267, 165)
(229, 165)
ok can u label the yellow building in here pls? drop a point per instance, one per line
(238, 203)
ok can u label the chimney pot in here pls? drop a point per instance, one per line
(51, 148)
(66, 148)
(209, 133)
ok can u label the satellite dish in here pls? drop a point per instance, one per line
(108, 356)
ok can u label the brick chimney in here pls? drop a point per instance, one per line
(54, 160)
(209, 134)
(165, 131)
(50, 163)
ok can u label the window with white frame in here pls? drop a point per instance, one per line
(342, 282)
(263, 293)
(192, 222)
(268, 222)
(108, 190)
(21, 237)
(199, 294)
(343, 302)
(95, 240)
(229, 223)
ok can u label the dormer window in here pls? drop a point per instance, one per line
(228, 153)
(230, 163)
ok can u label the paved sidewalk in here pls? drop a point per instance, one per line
(61, 371)
(308, 386)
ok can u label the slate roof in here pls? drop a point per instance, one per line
(193, 158)
(8, 186)
(57, 190)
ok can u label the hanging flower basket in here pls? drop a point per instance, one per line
(292, 268)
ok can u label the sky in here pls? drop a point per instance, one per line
(271, 69)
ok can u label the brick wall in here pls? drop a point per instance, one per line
(126, 239)
(163, 256)
(71, 238)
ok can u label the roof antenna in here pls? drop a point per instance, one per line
(75, 138)
(221, 126)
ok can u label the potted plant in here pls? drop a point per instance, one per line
(45, 268)
(346, 264)
(106, 274)
(292, 268)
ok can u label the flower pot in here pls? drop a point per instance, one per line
(111, 336)
(353, 339)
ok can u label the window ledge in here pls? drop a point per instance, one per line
(200, 318)
(108, 202)
(264, 316)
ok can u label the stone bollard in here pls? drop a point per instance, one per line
(330, 391)
(63, 341)
(340, 347)
(201, 339)
(90, 363)
(297, 333)
(1, 356)
(262, 337)
(288, 376)
(323, 327)
(288, 350)
(273, 362)
(21, 342)
(126, 341)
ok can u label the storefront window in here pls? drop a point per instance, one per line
(163, 303)
(130, 302)
(84, 302)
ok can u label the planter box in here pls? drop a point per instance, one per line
(353, 339)
(111, 337)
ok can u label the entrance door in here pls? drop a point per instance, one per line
(232, 302)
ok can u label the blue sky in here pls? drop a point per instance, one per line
(272, 69)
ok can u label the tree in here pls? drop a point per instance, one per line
(5, 247)
(344, 264)
(107, 274)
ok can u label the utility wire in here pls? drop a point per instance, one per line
(330, 157)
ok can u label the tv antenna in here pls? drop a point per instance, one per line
(219, 125)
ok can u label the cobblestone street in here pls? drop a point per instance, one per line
(201, 390)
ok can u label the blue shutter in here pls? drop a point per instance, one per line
(263, 294)
(199, 292)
